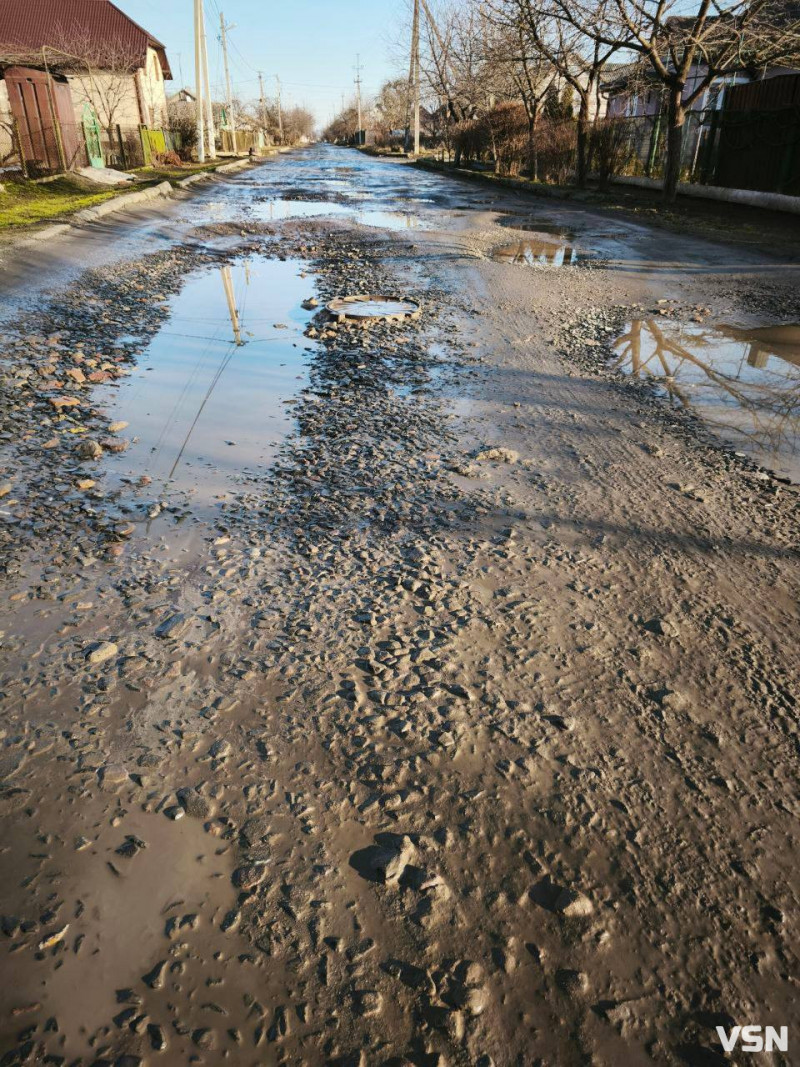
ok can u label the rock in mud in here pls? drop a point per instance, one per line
(89, 449)
(100, 653)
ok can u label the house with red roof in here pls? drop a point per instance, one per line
(78, 65)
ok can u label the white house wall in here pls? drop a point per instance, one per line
(127, 100)
(6, 138)
(153, 90)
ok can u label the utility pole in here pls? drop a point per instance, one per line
(358, 95)
(198, 74)
(212, 140)
(280, 109)
(229, 95)
(262, 103)
(416, 79)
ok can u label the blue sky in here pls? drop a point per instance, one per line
(311, 44)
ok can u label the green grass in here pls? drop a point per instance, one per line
(24, 203)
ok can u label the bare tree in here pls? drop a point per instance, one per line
(687, 53)
(104, 74)
(577, 56)
(522, 74)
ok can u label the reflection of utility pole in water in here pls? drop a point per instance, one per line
(227, 284)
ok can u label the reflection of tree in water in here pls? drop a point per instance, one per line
(771, 403)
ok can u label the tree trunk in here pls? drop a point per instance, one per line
(676, 116)
(533, 152)
(583, 141)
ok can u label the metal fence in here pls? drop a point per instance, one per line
(50, 149)
(757, 150)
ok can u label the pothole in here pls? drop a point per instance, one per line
(536, 253)
(745, 382)
(207, 400)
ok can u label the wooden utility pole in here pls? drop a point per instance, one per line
(198, 75)
(358, 96)
(262, 103)
(212, 140)
(280, 109)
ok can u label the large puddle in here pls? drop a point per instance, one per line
(533, 252)
(207, 400)
(744, 382)
(282, 210)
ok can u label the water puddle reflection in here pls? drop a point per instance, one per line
(744, 382)
(208, 398)
(282, 210)
(533, 253)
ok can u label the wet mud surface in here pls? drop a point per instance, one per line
(393, 692)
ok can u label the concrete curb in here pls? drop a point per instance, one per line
(121, 203)
(749, 197)
(224, 168)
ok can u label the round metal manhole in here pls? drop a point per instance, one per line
(374, 307)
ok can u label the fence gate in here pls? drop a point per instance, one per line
(32, 107)
(91, 131)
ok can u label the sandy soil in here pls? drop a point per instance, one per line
(466, 734)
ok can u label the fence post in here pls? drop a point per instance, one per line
(122, 154)
(710, 155)
(788, 159)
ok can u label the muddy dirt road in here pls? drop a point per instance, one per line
(401, 693)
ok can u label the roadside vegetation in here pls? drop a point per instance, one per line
(23, 203)
(26, 203)
(582, 91)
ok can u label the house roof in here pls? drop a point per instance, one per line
(26, 26)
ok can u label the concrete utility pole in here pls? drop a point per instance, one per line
(229, 95)
(198, 75)
(233, 311)
(416, 78)
(212, 140)
(280, 110)
(358, 95)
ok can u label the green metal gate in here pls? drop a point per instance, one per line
(91, 131)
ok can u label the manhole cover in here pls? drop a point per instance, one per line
(373, 307)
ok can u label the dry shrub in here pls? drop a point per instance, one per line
(470, 139)
(611, 148)
(507, 127)
(501, 134)
(556, 146)
(167, 159)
